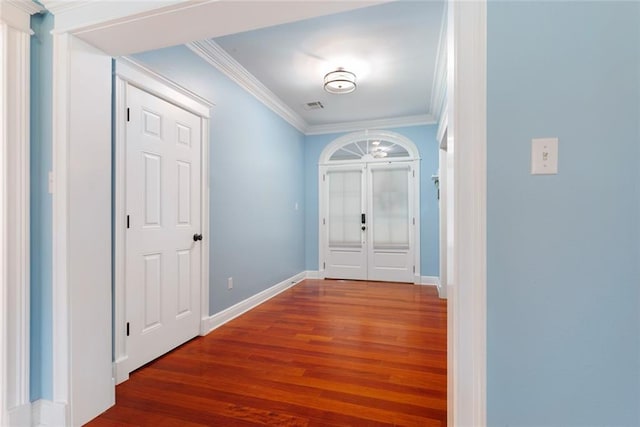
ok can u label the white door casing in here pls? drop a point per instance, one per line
(14, 211)
(162, 191)
(368, 244)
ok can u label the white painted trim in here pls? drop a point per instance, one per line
(312, 274)
(439, 89)
(140, 76)
(429, 281)
(242, 307)
(61, 305)
(45, 413)
(422, 119)
(130, 72)
(443, 124)
(17, 14)
(14, 213)
(363, 135)
(467, 134)
(221, 60)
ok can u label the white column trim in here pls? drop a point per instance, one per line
(467, 137)
(61, 306)
(14, 212)
(15, 30)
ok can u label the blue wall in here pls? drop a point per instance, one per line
(425, 139)
(563, 250)
(257, 235)
(41, 205)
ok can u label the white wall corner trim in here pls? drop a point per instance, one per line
(226, 315)
(466, 289)
(47, 413)
(61, 350)
(430, 280)
(14, 211)
(221, 60)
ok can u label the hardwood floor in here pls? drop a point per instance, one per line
(323, 353)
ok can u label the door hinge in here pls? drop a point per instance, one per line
(324, 221)
(324, 265)
(414, 268)
(128, 117)
(128, 226)
(414, 220)
(414, 173)
(323, 176)
(127, 328)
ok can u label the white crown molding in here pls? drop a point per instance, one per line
(417, 120)
(439, 89)
(26, 6)
(60, 6)
(17, 14)
(221, 60)
(216, 56)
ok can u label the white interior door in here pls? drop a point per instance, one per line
(367, 221)
(162, 273)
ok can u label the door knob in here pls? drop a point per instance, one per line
(197, 237)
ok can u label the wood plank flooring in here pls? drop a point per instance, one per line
(323, 353)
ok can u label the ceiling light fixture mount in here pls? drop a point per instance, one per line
(340, 81)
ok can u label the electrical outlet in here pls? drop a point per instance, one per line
(230, 283)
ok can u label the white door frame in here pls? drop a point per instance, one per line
(467, 143)
(15, 35)
(467, 31)
(130, 72)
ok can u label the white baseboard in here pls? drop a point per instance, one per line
(20, 416)
(442, 291)
(312, 274)
(120, 371)
(45, 413)
(226, 315)
(430, 280)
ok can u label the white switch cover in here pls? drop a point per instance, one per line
(544, 156)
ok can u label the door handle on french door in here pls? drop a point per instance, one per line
(363, 219)
(364, 228)
(197, 237)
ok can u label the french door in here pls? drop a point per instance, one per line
(367, 222)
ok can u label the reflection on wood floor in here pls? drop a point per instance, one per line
(323, 353)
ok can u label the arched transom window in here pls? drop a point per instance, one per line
(369, 146)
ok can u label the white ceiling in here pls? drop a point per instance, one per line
(392, 48)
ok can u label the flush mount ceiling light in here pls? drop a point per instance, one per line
(340, 81)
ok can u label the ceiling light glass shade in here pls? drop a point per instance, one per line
(340, 81)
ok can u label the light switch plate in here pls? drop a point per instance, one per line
(544, 156)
